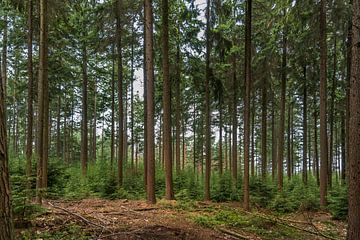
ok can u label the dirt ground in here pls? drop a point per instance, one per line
(129, 219)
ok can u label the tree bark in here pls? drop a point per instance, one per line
(246, 203)
(30, 109)
(354, 134)
(4, 58)
(280, 143)
(264, 132)
(119, 12)
(323, 121)
(149, 63)
(112, 137)
(6, 220)
(58, 127)
(43, 78)
(207, 107)
(273, 141)
(167, 102)
(305, 145)
(234, 151)
(177, 111)
(252, 166)
(84, 122)
(331, 117)
(220, 138)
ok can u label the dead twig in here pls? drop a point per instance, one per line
(234, 234)
(79, 216)
(283, 222)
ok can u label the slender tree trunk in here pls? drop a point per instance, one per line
(119, 12)
(30, 109)
(289, 134)
(331, 117)
(246, 203)
(220, 138)
(94, 147)
(273, 142)
(234, 151)
(264, 102)
(145, 96)
(178, 110)
(132, 95)
(167, 101)
(183, 145)
(6, 221)
(47, 134)
(4, 58)
(84, 122)
(112, 138)
(280, 144)
(316, 153)
(323, 121)
(343, 148)
(207, 106)
(305, 145)
(43, 78)
(252, 166)
(149, 63)
(58, 137)
(354, 133)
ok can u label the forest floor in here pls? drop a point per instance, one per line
(130, 219)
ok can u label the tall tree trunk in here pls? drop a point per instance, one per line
(47, 134)
(145, 96)
(289, 135)
(119, 12)
(207, 106)
(178, 110)
(112, 137)
(220, 138)
(234, 151)
(331, 117)
(323, 121)
(343, 148)
(6, 221)
(94, 147)
(305, 145)
(354, 133)
(280, 143)
(246, 203)
(43, 78)
(30, 109)
(252, 166)
(58, 137)
(84, 122)
(264, 102)
(183, 127)
(149, 56)
(4, 58)
(194, 136)
(132, 97)
(316, 153)
(273, 141)
(167, 101)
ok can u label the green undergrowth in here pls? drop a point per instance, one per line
(65, 181)
(246, 222)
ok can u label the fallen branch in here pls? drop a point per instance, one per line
(146, 209)
(79, 216)
(283, 222)
(117, 234)
(234, 234)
